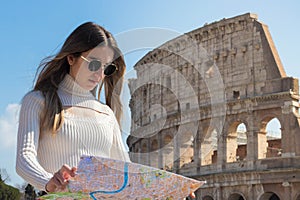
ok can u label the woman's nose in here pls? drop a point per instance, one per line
(100, 73)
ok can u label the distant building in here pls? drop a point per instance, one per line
(192, 92)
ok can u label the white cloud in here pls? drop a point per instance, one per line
(8, 141)
(9, 126)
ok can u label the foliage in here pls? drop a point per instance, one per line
(30, 192)
(8, 192)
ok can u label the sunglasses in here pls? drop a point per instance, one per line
(95, 65)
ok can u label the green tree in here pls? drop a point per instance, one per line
(7, 192)
(30, 192)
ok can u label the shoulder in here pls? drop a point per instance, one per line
(32, 102)
(33, 97)
(106, 109)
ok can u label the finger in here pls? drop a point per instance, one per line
(74, 169)
(67, 175)
(57, 182)
(73, 173)
(65, 169)
(60, 180)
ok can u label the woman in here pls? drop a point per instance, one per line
(61, 119)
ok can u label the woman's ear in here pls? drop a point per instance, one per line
(71, 59)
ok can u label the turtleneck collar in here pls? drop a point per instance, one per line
(71, 94)
(70, 86)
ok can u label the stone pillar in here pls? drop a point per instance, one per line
(218, 193)
(197, 147)
(145, 151)
(252, 139)
(138, 152)
(221, 160)
(135, 152)
(288, 130)
(176, 155)
(160, 151)
(148, 161)
(231, 146)
(287, 190)
(250, 192)
(262, 144)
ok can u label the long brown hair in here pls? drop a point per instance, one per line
(52, 71)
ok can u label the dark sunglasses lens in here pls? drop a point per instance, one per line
(110, 69)
(94, 65)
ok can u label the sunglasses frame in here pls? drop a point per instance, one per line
(103, 68)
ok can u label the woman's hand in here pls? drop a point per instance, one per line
(60, 179)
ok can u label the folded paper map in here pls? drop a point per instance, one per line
(104, 178)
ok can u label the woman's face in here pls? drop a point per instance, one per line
(79, 66)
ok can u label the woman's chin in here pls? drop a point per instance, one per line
(91, 85)
(90, 88)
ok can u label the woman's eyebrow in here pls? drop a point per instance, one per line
(95, 58)
(92, 57)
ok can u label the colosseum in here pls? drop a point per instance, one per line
(192, 95)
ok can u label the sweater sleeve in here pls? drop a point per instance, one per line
(27, 164)
(118, 150)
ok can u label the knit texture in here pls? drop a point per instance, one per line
(89, 128)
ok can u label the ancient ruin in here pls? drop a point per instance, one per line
(193, 92)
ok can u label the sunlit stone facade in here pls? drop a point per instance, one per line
(191, 94)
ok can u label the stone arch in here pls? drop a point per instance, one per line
(144, 148)
(242, 140)
(154, 145)
(269, 196)
(265, 119)
(236, 196)
(207, 197)
(209, 146)
(268, 145)
(233, 153)
(274, 138)
(167, 139)
(234, 123)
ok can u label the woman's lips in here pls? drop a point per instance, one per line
(93, 81)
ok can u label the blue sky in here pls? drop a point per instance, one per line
(32, 30)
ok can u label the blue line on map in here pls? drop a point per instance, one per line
(116, 191)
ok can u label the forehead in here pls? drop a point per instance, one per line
(105, 54)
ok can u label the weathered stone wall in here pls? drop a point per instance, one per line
(192, 93)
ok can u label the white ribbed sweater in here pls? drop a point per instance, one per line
(91, 130)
